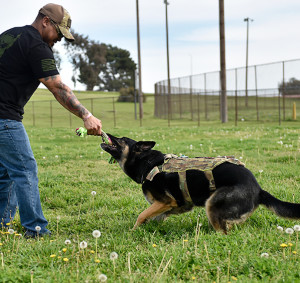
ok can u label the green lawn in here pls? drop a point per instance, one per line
(176, 250)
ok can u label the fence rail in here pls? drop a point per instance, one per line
(266, 97)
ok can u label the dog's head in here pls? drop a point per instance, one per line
(128, 152)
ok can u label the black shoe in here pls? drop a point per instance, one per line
(33, 234)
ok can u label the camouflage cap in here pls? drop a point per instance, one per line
(61, 17)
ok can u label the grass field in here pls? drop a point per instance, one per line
(184, 248)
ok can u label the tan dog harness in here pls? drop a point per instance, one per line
(180, 165)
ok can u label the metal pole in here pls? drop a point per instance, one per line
(257, 112)
(139, 62)
(168, 64)
(283, 91)
(246, 82)
(222, 63)
(236, 99)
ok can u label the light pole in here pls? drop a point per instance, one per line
(224, 116)
(168, 64)
(139, 62)
(246, 81)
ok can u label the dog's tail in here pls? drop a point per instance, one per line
(281, 208)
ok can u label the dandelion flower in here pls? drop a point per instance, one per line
(93, 193)
(266, 255)
(65, 259)
(294, 252)
(83, 245)
(280, 228)
(1, 244)
(92, 252)
(113, 256)
(290, 244)
(96, 233)
(53, 255)
(102, 277)
(289, 231)
(7, 224)
(234, 278)
(64, 250)
(154, 245)
(185, 240)
(11, 231)
(283, 245)
(67, 242)
(38, 228)
(97, 261)
(297, 228)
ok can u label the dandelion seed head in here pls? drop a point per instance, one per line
(38, 228)
(102, 277)
(93, 193)
(289, 231)
(96, 233)
(67, 242)
(280, 228)
(11, 231)
(113, 256)
(266, 255)
(297, 228)
(83, 245)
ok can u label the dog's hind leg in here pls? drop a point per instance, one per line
(230, 205)
(155, 209)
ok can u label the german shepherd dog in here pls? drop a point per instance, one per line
(235, 196)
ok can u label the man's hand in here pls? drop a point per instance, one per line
(93, 126)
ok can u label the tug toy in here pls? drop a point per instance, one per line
(82, 132)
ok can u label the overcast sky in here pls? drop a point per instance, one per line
(274, 35)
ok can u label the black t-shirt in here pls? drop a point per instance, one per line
(24, 59)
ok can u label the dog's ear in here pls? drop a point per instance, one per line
(144, 145)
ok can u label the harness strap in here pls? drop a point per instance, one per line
(183, 186)
(210, 177)
(152, 173)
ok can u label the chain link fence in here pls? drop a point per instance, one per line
(267, 94)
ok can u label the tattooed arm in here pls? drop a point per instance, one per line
(65, 96)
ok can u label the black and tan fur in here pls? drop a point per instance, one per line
(236, 197)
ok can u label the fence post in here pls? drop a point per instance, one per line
(191, 98)
(198, 106)
(257, 112)
(180, 105)
(279, 118)
(114, 111)
(283, 91)
(236, 99)
(205, 98)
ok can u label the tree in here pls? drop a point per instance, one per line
(105, 66)
(87, 57)
(119, 71)
(291, 88)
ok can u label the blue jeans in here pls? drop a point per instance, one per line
(18, 178)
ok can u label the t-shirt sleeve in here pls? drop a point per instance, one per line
(42, 62)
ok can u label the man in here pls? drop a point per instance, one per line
(26, 59)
